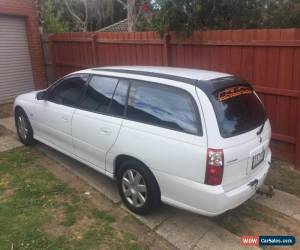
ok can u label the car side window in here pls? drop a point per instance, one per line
(99, 93)
(163, 106)
(119, 99)
(69, 91)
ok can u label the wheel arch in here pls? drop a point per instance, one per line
(29, 140)
(124, 157)
(17, 108)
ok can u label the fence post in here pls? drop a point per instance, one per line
(93, 42)
(166, 50)
(297, 34)
(297, 150)
(52, 56)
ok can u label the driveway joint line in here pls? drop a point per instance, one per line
(208, 230)
(163, 221)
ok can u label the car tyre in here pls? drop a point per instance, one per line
(24, 128)
(138, 187)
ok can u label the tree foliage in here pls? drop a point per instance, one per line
(282, 14)
(138, 12)
(89, 15)
(80, 15)
(52, 17)
(181, 16)
(185, 16)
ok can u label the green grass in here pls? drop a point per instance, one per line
(32, 199)
(283, 177)
(102, 215)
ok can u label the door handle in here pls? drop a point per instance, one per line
(105, 131)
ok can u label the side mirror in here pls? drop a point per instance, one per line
(41, 95)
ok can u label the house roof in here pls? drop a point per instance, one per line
(121, 26)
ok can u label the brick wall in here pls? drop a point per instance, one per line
(27, 9)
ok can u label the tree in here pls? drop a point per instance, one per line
(232, 14)
(81, 18)
(51, 18)
(87, 13)
(138, 11)
(185, 16)
(82, 15)
(282, 14)
(181, 16)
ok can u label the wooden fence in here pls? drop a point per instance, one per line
(270, 59)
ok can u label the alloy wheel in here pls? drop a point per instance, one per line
(134, 188)
(23, 127)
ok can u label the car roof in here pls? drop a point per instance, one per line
(193, 74)
(208, 81)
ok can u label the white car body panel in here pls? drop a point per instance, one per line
(100, 133)
(53, 123)
(100, 170)
(176, 159)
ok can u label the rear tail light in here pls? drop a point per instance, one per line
(214, 167)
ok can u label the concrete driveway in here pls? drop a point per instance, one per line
(182, 229)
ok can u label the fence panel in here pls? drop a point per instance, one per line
(270, 59)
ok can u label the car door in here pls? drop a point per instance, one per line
(54, 115)
(164, 128)
(96, 123)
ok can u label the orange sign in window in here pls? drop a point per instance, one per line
(233, 92)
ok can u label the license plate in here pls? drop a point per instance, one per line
(258, 158)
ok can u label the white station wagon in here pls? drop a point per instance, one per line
(193, 139)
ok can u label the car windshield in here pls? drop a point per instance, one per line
(238, 110)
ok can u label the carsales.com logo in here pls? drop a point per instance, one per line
(273, 240)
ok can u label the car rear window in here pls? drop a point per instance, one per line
(238, 110)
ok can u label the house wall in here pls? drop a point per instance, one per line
(28, 10)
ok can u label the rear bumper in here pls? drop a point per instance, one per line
(208, 200)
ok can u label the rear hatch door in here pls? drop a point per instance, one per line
(244, 131)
